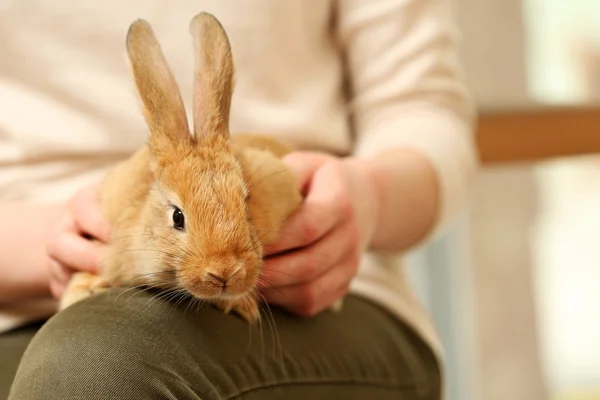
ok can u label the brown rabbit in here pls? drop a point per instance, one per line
(191, 212)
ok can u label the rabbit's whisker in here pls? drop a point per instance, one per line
(177, 246)
(257, 168)
(279, 290)
(257, 243)
(267, 176)
(138, 289)
(167, 296)
(276, 342)
(169, 255)
(278, 272)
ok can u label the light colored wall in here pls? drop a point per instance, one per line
(503, 213)
(532, 309)
(565, 68)
(503, 210)
(494, 51)
(567, 255)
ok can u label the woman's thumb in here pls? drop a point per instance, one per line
(305, 164)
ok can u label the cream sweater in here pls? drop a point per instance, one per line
(69, 109)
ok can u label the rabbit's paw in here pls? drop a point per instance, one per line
(81, 285)
(246, 307)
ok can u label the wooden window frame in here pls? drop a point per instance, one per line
(534, 135)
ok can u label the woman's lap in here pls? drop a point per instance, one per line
(12, 347)
(135, 346)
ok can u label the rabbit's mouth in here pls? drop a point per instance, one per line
(219, 294)
(222, 284)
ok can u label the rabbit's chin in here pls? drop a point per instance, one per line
(220, 294)
(244, 304)
(231, 296)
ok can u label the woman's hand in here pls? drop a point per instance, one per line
(69, 248)
(319, 248)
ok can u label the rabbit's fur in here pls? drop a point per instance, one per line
(233, 192)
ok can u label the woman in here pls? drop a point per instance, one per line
(374, 86)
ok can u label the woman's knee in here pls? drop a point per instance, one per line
(100, 349)
(135, 346)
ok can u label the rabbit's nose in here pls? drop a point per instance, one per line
(223, 278)
(218, 279)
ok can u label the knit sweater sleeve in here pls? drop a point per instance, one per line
(408, 90)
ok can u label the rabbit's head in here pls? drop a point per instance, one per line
(197, 208)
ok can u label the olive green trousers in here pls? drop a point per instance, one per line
(131, 345)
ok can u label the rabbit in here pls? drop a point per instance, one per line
(191, 212)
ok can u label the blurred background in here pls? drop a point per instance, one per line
(514, 286)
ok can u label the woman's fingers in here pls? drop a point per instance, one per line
(310, 298)
(74, 251)
(87, 214)
(306, 264)
(326, 205)
(310, 223)
(59, 278)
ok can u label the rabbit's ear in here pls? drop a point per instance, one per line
(162, 103)
(213, 76)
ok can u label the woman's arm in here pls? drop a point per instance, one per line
(24, 232)
(407, 198)
(412, 165)
(41, 246)
(412, 113)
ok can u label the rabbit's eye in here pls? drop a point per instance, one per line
(178, 219)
